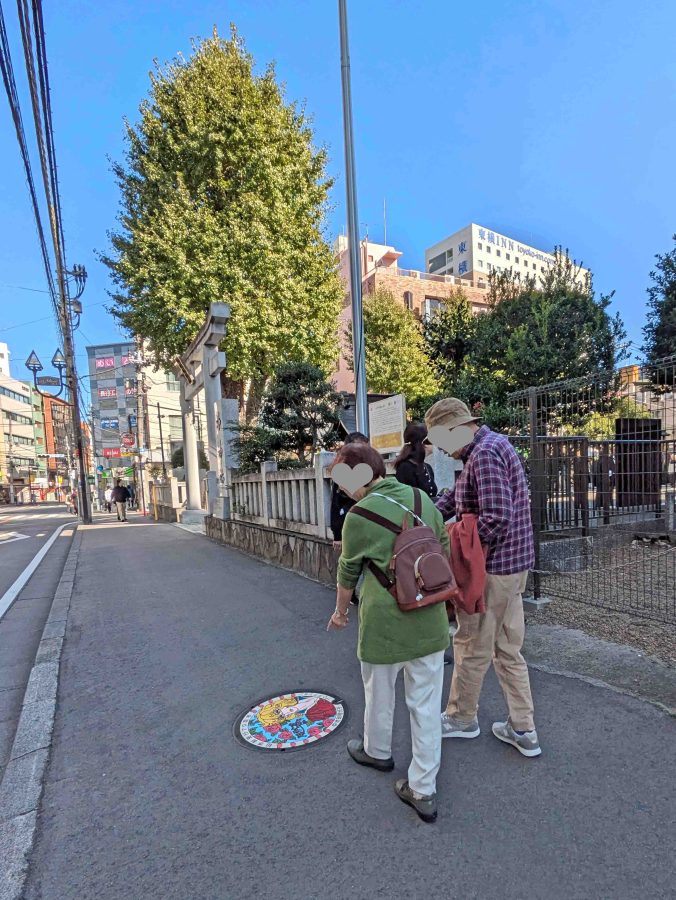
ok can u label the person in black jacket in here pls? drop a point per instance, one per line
(410, 466)
(340, 502)
(120, 497)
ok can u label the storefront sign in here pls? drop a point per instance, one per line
(107, 392)
(105, 362)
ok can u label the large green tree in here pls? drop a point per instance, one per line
(396, 361)
(449, 336)
(223, 198)
(660, 330)
(550, 332)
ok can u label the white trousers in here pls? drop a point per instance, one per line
(423, 685)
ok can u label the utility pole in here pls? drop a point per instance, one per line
(10, 462)
(353, 230)
(164, 463)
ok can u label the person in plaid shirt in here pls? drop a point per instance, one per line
(493, 486)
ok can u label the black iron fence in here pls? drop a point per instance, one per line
(600, 455)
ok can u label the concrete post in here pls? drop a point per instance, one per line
(323, 493)
(190, 456)
(268, 466)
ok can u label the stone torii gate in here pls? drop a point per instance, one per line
(199, 369)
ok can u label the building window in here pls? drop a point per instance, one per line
(408, 299)
(542, 268)
(370, 259)
(437, 262)
(499, 253)
(488, 249)
(480, 245)
(516, 260)
(507, 255)
(449, 254)
(173, 383)
(449, 271)
(18, 439)
(7, 392)
(432, 305)
(535, 266)
(480, 263)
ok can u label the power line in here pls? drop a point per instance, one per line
(7, 68)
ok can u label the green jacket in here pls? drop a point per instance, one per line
(386, 634)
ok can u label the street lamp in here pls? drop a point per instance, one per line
(34, 365)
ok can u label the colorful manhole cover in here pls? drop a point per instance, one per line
(291, 721)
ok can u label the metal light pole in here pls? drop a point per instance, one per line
(164, 463)
(353, 230)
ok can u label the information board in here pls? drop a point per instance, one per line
(387, 421)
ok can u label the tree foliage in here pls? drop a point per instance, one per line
(223, 198)
(449, 336)
(299, 415)
(396, 361)
(660, 330)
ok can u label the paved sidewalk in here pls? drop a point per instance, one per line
(149, 795)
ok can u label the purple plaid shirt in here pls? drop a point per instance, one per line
(493, 485)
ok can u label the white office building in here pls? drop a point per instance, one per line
(475, 251)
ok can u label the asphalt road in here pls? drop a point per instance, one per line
(24, 530)
(149, 795)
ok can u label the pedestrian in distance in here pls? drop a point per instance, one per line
(492, 486)
(120, 496)
(341, 504)
(108, 498)
(391, 639)
(410, 466)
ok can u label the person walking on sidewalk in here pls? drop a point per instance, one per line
(120, 496)
(391, 640)
(108, 498)
(493, 486)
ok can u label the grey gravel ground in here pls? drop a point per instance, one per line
(649, 637)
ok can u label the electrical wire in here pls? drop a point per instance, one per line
(7, 68)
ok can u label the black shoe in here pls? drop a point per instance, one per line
(359, 755)
(426, 807)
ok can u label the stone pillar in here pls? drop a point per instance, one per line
(323, 493)
(268, 466)
(212, 403)
(190, 456)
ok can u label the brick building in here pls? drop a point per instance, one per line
(421, 292)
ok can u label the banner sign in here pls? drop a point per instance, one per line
(105, 362)
(107, 392)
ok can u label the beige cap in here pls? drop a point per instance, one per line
(450, 412)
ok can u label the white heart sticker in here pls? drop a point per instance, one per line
(450, 439)
(349, 479)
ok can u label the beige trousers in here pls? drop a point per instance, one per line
(496, 635)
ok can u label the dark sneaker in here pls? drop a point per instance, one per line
(426, 807)
(527, 743)
(451, 728)
(359, 755)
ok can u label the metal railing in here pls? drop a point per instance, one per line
(600, 456)
(429, 276)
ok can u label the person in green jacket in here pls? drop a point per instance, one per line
(391, 640)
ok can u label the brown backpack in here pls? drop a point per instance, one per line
(420, 572)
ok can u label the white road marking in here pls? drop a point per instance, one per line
(13, 592)
(14, 536)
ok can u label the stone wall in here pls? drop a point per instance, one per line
(304, 554)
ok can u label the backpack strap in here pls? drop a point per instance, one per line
(417, 503)
(374, 517)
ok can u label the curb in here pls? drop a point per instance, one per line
(23, 780)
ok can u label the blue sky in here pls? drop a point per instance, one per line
(550, 121)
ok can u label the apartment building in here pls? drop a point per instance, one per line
(421, 292)
(18, 449)
(475, 251)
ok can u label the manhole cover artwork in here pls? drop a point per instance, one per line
(291, 720)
